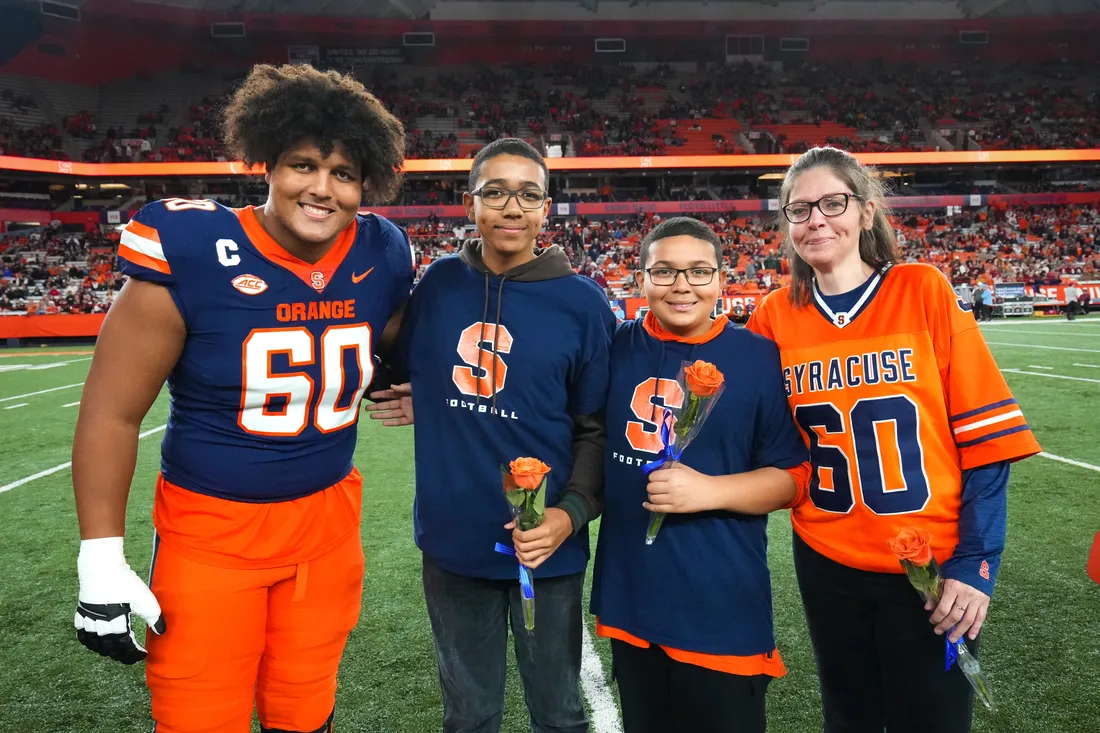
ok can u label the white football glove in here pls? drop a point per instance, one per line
(109, 592)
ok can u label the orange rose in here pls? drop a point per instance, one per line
(528, 472)
(703, 378)
(914, 545)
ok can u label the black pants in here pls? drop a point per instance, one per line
(879, 661)
(660, 695)
(1071, 310)
(470, 618)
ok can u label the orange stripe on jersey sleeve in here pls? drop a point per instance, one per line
(770, 664)
(143, 260)
(143, 230)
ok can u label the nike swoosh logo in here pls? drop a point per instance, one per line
(359, 278)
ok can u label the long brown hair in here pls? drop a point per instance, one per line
(878, 246)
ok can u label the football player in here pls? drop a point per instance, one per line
(909, 423)
(264, 321)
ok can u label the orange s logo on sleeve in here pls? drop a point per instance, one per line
(481, 383)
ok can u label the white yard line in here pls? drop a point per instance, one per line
(35, 477)
(1071, 334)
(41, 391)
(63, 466)
(1051, 376)
(1070, 461)
(38, 367)
(1048, 348)
(71, 404)
(605, 714)
(1090, 366)
(1092, 321)
(1036, 366)
(20, 404)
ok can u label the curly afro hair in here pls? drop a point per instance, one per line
(278, 107)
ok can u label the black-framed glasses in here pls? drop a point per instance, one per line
(693, 275)
(831, 206)
(497, 198)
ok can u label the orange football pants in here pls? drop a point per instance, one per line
(238, 637)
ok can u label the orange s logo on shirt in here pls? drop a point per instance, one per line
(471, 380)
(648, 403)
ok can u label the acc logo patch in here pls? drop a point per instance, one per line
(249, 284)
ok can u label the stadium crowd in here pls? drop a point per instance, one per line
(617, 110)
(55, 271)
(52, 271)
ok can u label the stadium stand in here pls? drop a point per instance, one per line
(52, 271)
(604, 110)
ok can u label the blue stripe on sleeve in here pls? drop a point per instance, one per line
(980, 410)
(992, 436)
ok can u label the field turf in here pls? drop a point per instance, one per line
(1041, 646)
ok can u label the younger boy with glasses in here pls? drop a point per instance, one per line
(690, 616)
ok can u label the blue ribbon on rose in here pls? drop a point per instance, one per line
(669, 453)
(527, 587)
(950, 653)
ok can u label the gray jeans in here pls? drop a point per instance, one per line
(470, 619)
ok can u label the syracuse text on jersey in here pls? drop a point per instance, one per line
(890, 366)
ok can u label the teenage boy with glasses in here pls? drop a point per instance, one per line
(507, 352)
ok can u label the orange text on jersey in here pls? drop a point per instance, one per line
(323, 310)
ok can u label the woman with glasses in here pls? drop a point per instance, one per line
(690, 617)
(910, 424)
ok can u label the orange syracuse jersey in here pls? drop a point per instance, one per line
(896, 398)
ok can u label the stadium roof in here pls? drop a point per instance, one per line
(438, 9)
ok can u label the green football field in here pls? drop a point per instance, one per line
(1041, 646)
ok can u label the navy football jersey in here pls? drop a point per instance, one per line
(279, 352)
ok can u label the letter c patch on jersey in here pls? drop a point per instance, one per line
(477, 378)
(648, 403)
